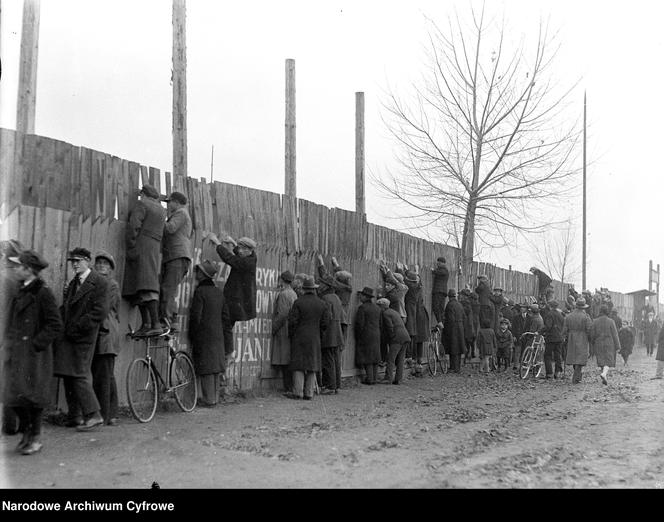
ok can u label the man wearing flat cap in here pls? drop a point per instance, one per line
(281, 346)
(210, 342)
(143, 235)
(240, 287)
(176, 252)
(34, 323)
(84, 307)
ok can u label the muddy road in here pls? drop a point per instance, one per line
(451, 431)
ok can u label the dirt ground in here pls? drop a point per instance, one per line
(448, 431)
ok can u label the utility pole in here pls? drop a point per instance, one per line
(359, 153)
(27, 79)
(290, 185)
(583, 282)
(212, 165)
(179, 80)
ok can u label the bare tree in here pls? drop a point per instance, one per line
(557, 255)
(483, 138)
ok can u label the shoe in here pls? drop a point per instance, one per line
(25, 441)
(90, 424)
(327, 391)
(307, 398)
(72, 423)
(113, 422)
(33, 447)
(336, 392)
(603, 377)
(290, 395)
(385, 381)
(395, 382)
(141, 331)
(548, 376)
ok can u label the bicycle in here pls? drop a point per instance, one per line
(145, 382)
(533, 356)
(435, 354)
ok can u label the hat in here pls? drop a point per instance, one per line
(105, 255)
(465, 291)
(287, 276)
(343, 275)
(309, 283)
(368, 291)
(247, 241)
(451, 292)
(649, 313)
(581, 303)
(482, 276)
(178, 197)
(532, 269)
(497, 289)
(554, 304)
(398, 277)
(79, 253)
(383, 302)
(534, 308)
(31, 259)
(504, 320)
(11, 247)
(441, 260)
(411, 276)
(209, 268)
(150, 191)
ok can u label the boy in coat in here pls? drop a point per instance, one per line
(34, 323)
(504, 344)
(208, 316)
(486, 342)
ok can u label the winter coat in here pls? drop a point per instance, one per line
(367, 333)
(518, 325)
(660, 346)
(497, 301)
(483, 292)
(143, 239)
(417, 317)
(508, 313)
(33, 324)
(475, 305)
(394, 329)
(604, 336)
(553, 327)
(333, 335)
(576, 329)
(342, 289)
(240, 287)
(440, 278)
(504, 343)
(283, 302)
(543, 281)
(82, 314)
(626, 338)
(453, 328)
(534, 323)
(306, 324)
(423, 323)
(397, 295)
(486, 342)
(208, 314)
(468, 330)
(650, 332)
(108, 339)
(176, 242)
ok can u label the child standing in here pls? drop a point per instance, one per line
(486, 343)
(504, 342)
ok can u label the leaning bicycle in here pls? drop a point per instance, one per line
(532, 359)
(145, 382)
(436, 357)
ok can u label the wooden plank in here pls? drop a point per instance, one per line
(9, 175)
(26, 225)
(123, 190)
(99, 166)
(135, 174)
(168, 188)
(145, 178)
(112, 177)
(155, 178)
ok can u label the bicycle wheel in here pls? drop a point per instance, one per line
(538, 364)
(141, 390)
(432, 354)
(183, 381)
(526, 362)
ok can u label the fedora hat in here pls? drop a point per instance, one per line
(287, 276)
(309, 284)
(369, 292)
(209, 268)
(581, 303)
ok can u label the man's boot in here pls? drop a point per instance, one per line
(145, 318)
(153, 310)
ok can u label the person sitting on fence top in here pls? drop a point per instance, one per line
(176, 251)
(544, 288)
(240, 287)
(143, 235)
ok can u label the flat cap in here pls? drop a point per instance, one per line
(150, 191)
(102, 254)
(31, 259)
(247, 241)
(208, 268)
(287, 276)
(178, 197)
(79, 253)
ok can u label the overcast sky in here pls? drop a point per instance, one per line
(104, 83)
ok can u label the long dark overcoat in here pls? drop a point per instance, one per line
(143, 235)
(649, 332)
(604, 336)
(108, 341)
(240, 287)
(576, 329)
(626, 338)
(393, 327)
(468, 329)
(417, 317)
(82, 313)
(333, 335)
(483, 292)
(34, 323)
(453, 329)
(280, 339)
(306, 322)
(207, 316)
(660, 346)
(367, 334)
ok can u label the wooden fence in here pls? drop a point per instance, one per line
(56, 196)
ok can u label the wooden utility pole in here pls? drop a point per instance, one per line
(27, 79)
(290, 186)
(583, 282)
(179, 80)
(359, 153)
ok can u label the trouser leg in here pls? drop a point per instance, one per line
(172, 274)
(23, 416)
(400, 362)
(209, 388)
(84, 395)
(73, 406)
(337, 367)
(298, 383)
(9, 421)
(576, 377)
(35, 418)
(309, 381)
(548, 359)
(327, 368)
(286, 377)
(391, 361)
(103, 383)
(558, 357)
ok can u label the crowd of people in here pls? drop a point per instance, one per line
(79, 341)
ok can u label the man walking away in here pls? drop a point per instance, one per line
(453, 331)
(604, 336)
(650, 333)
(626, 338)
(553, 338)
(576, 329)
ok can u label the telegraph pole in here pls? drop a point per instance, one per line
(359, 154)
(179, 90)
(583, 282)
(27, 76)
(290, 154)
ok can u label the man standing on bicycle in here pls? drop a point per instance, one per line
(552, 332)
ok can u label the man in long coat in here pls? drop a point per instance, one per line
(306, 324)
(108, 344)
(34, 323)
(84, 307)
(441, 275)
(453, 331)
(483, 291)
(208, 315)
(417, 318)
(650, 333)
(283, 302)
(468, 328)
(367, 335)
(333, 339)
(604, 336)
(143, 235)
(553, 337)
(176, 251)
(576, 329)
(659, 357)
(397, 337)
